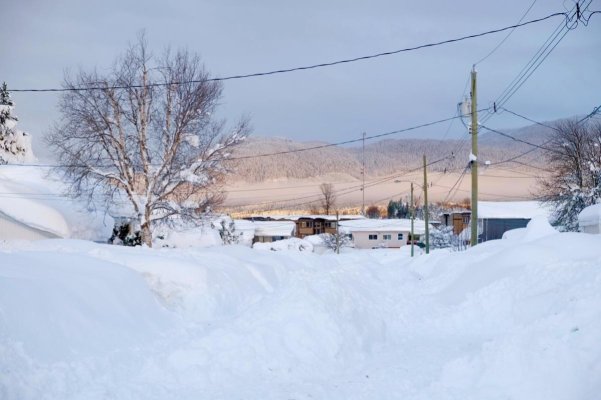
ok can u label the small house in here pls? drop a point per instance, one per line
(589, 219)
(383, 233)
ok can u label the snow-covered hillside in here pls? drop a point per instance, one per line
(509, 319)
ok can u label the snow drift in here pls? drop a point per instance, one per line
(508, 319)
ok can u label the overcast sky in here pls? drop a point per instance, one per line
(39, 40)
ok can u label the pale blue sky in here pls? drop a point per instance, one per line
(40, 39)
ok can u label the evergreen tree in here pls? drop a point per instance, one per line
(15, 145)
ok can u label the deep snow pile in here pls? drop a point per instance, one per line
(509, 319)
(36, 198)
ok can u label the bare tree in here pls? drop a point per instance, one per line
(144, 134)
(328, 200)
(573, 155)
(373, 212)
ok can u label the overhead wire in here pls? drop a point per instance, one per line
(506, 36)
(572, 17)
(307, 67)
(529, 119)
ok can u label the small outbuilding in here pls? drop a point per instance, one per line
(589, 219)
(271, 231)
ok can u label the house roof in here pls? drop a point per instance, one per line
(31, 196)
(265, 228)
(274, 228)
(383, 225)
(591, 215)
(511, 209)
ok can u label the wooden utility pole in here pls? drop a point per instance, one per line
(426, 213)
(337, 233)
(363, 176)
(412, 217)
(474, 162)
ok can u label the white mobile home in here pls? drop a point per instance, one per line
(382, 233)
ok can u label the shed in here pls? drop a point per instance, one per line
(271, 231)
(589, 219)
(497, 217)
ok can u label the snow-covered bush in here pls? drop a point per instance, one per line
(441, 237)
(336, 241)
(125, 234)
(15, 145)
(227, 231)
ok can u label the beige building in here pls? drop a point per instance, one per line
(382, 233)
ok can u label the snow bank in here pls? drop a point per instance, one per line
(73, 306)
(295, 244)
(591, 215)
(507, 319)
(36, 199)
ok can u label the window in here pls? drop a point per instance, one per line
(387, 237)
(400, 236)
(330, 224)
(306, 224)
(373, 237)
(318, 224)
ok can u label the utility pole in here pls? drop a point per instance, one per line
(426, 214)
(412, 217)
(474, 161)
(363, 176)
(337, 233)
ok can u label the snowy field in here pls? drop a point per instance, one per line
(518, 318)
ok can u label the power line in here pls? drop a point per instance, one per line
(520, 140)
(595, 111)
(458, 182)
(529, 119)
(412, 128)
(307, 67)
(540, 56)
(506, 36)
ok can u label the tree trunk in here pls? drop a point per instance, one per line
(146, 234)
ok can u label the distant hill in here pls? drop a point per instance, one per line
(382, 157)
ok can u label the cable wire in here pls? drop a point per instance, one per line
(307, 67)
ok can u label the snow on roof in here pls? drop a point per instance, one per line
(383, 225)
(274, 228)
(510, 209)
(29, 195)
(591, 215)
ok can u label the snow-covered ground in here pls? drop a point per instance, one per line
(510, 319)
